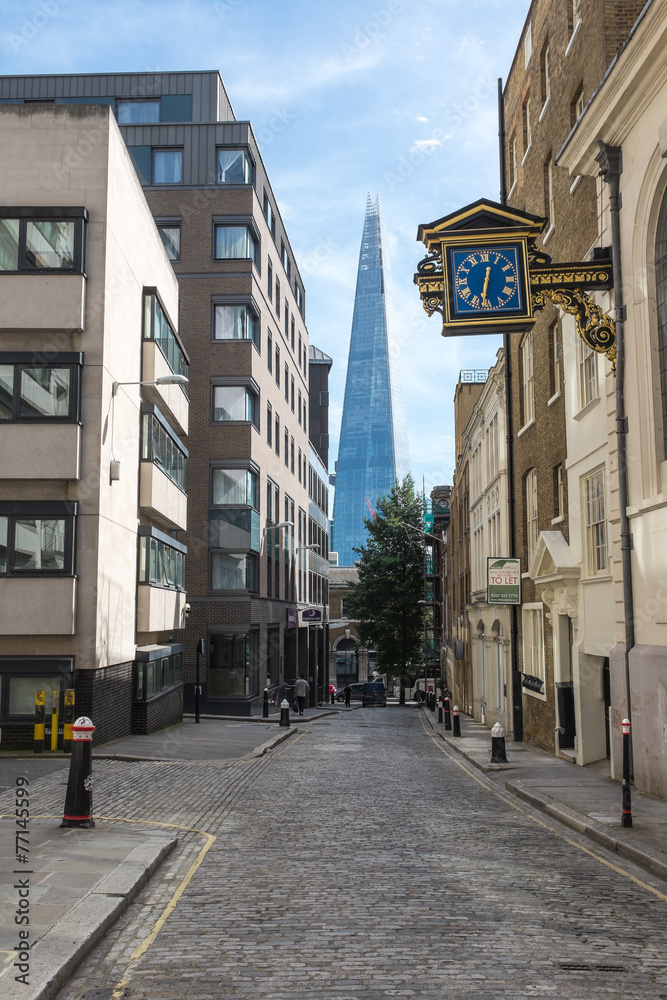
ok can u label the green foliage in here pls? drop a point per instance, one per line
(391, 581)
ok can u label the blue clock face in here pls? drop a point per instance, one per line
(486, 281)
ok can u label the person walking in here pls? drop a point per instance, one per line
(301, 689)
(347, 691)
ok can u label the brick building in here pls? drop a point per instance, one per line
(564, 51)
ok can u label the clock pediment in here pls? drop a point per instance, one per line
(482, 216)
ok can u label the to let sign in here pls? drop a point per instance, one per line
(503, 581)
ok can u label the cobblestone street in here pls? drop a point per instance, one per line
(361, 860)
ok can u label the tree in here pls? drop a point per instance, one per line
(384, 601)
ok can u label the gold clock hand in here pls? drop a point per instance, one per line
(485, 301)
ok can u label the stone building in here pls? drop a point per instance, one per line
(564, 51)
(623, 131)
(92, 460)
(242, 318)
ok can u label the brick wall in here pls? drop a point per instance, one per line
(105, 696)
(149, 716)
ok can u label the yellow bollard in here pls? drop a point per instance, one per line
(68, 718)
(55, 699)
(40, 701)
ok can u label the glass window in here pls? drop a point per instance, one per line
(233, 571)
(235, 243)
(588, 373)
(528, 397)
(234, 665)
(284, 256)
(32, 542)
(158, 446)
(157, 328)
(531, 513)
(137, 112)
(533, 648)
(165, 566)
(39, 392)
(9, 244)
(234, 486)
(661, 309)
(596, 523)
(22, 693)
(234, 402)
(234, 167)
(167, 166)
(269, 216)
(269, 279)
(171, 238)
(269, 425)
(49, 245)
(234, 528)
(236, 323)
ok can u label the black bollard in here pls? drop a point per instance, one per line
(457, 722)
(626, 814)
(448, 715)
(498, 753)
(284, 712)
(440, 710)
(79, 797)
(265, 707)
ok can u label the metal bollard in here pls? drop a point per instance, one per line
(79, 797)
(457, 722)
(498, 754)
(284, 712)
(626, 813)
(265, 707)
(68, 720)
(448, 715)
(440, 710)
(40, 710)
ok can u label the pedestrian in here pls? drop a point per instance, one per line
(301, 689)
(332, 693)
(347, 691)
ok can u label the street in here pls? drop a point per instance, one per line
(361, 859)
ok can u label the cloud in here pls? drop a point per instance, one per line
(426, 145)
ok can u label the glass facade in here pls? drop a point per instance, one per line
(373, 450)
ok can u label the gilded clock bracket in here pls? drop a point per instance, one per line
(593, 325)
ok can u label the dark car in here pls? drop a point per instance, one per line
(356, 691)
(374, 693)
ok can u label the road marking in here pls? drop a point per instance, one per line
(557, 833)
(288, 746)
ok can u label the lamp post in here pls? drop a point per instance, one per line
(172, 379)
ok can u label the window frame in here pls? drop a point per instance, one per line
(533, 613)
(155, 151)
(46, 510)
(249, 166)
(251, 233)
(597, 528)
(127, 101)
(532, 514)
(527, 379)
(163, 541)
(149, 409)
(251, 390)
(21, 360)
(157, 657)
(152, 304)
(586, 364)
(176, 225)
(236, 303)
(28, 213)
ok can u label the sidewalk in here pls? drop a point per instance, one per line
(584, 798)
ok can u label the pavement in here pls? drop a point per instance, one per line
(583, 798)
(79, 882)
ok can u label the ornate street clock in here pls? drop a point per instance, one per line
(484, 274)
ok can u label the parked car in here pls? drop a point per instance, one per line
(356, 692)
(374, 693)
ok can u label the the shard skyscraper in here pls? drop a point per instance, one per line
(373, 449)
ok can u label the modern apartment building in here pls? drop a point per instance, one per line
(92, 421)
(242, 320)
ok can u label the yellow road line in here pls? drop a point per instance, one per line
(289, 744)
(557, 833)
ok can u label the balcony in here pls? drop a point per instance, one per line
(35, 302)
(54, 450)
(159, 609)
(37, 605)
(171, 400)
(161, 498)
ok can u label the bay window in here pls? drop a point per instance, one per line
(41, 239)
(235, 322)
(235, 243)
(235, 403)
(37, 538)
(234, 166)
(31, 391)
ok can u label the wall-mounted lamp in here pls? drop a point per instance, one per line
(172, 379)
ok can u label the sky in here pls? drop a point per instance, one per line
(345, 97)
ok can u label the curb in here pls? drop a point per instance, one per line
(273, 742)
(594, 831)
(65, 945)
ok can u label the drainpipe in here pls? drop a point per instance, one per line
(517, 690)
(611, 167)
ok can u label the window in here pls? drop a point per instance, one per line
(545, 73)
(277, 365)
(233, 668)
(235, 528)
(286, 382)
(299, 463)
(157, 327)
(276, 434)
(299, 408)
(549, 206)
(233, 571)
(137, 112)
(559, 492)
(171, 239)
(596, 523)
(555, 333)
(236, 322)
(527, 134)
(588, 373)
(292, 455)
(292, 332)
(512, 161)
(272, 540)
(531, 514)
(298, 295)
(661, 309)
(234, 486)
(167, 166)
(160, 445)
(269, 216)
(159, 674)
(577, 105)
(292, 393)
(42, 239)
(286, 448)
(269, 279)
(573, 15)
(533, 648)
(269, 351)
(286, 322)
(277, 298)
(37, 539)
(527, 46)
(528, 386)
(235, 403)
(235, 243)
(269, 425)
(161, 559)
(284, 256)
(300, 349)
(234, 167)
(40, 392)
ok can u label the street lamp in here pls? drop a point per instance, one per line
(172, 379)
